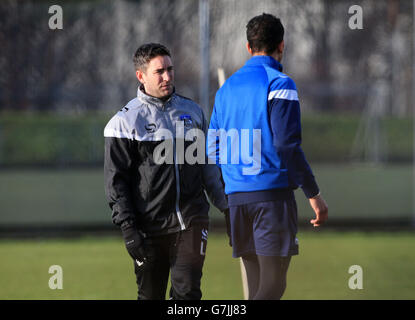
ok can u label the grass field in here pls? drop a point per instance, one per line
(99, 268)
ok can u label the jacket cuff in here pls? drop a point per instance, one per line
(127, 224)
(222, 205)
(310, 189)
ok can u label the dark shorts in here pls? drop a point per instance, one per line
(264, 228)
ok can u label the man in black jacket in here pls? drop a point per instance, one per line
(155, 185)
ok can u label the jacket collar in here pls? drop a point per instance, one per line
(145, 98)
(267, 60)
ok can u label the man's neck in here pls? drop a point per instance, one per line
(276, 55)
(163, 99)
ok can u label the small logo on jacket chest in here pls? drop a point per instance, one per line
(150, 127)
(187, 119)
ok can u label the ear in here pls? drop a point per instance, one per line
(140, 76)
(248, 47)
(281, 46)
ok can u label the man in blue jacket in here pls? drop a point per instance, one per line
(254, 137)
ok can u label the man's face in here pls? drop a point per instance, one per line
(158, 78)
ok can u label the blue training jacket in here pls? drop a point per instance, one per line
(255, 131)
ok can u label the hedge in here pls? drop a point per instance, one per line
(51, 139)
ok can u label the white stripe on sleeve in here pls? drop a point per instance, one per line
(112, 133)
(286, 94)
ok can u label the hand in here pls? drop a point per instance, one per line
(228, 225)
(133, 242)
(320, 208)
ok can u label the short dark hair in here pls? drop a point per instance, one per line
(264, 33)
(146, 52)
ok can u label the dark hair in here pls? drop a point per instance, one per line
(146, 52)
(264, 33)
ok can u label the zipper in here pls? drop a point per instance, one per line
(179, 214)
(177, 174)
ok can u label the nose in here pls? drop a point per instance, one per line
(167, 76)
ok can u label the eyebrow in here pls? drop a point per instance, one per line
(162, 69)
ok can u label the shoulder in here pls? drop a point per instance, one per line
(119, 126)
(189, 104)
(187, 101)
(179, 96)
(282, 81)
(283, 87)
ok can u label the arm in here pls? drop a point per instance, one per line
(119, 155)
(212, 179)
(212, 141)
(285, 120)
(212, 183)
(117, 172)
(286, 132)
(213, 157)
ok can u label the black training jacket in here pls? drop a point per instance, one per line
(160, 196)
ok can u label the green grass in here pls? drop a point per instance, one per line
(99, 268)
(321, 269)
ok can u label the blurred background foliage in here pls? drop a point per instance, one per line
(51, 140)
(58, 89)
